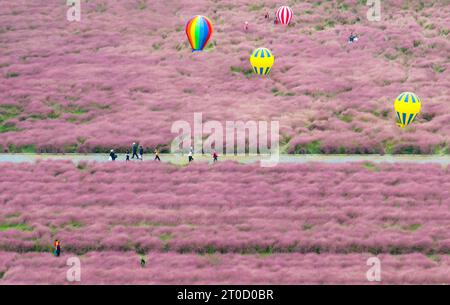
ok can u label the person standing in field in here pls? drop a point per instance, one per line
(215, 156)
(141, 152)
(157, 155)
(353, 38)
(134, 149)
(57, 245)
(127, 155)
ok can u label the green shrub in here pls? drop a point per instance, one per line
(8, 127)
(310, 148)
(346, 118)
(417, 43)
(165, 237)
(236, 69)
(12, 74)
(14, 226)
(371, 167)
(319, 27)
(307, 227)
(28, 149)
(438, 68)
(255, 7)
(413, 227)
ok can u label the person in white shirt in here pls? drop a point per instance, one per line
(191, 154)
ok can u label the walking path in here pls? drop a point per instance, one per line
(182, 159)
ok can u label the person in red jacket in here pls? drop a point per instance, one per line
(57, 245)
(215, 156)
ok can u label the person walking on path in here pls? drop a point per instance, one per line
(127, 155)
(134, 149)
(215, 156)
(191, 155)
(141, 152)
(112, 155)
(157, 155)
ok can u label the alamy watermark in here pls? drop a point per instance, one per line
(74, 272)
(74, 10)
(374, 273)
(374, 12)
(236, 137)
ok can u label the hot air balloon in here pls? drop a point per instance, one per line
(407, 106)
(262, 61)
(284, 15)
(199, 30)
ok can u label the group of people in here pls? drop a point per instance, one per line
(57, 252)
(138, 152)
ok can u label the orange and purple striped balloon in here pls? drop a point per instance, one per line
(199, 30)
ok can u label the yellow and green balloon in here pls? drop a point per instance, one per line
(407, 106)
(262, 61)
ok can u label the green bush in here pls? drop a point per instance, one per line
(310, 148)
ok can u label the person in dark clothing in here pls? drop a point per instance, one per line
(353, 38)
(134, 149)
(215, 156)
(141, 152)
(157, 155)
(112, 155)
(143, 262)
(57, 245)
(127, 155)
(266, 15)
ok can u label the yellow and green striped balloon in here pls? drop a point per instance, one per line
(407, 106)
(262, 61)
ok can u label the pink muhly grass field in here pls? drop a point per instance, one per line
(173, 268)
(224, 223)
(126, 72)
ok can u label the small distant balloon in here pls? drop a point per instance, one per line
(199, 30)
(284, 15)
(407, 106)
(262, 61)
